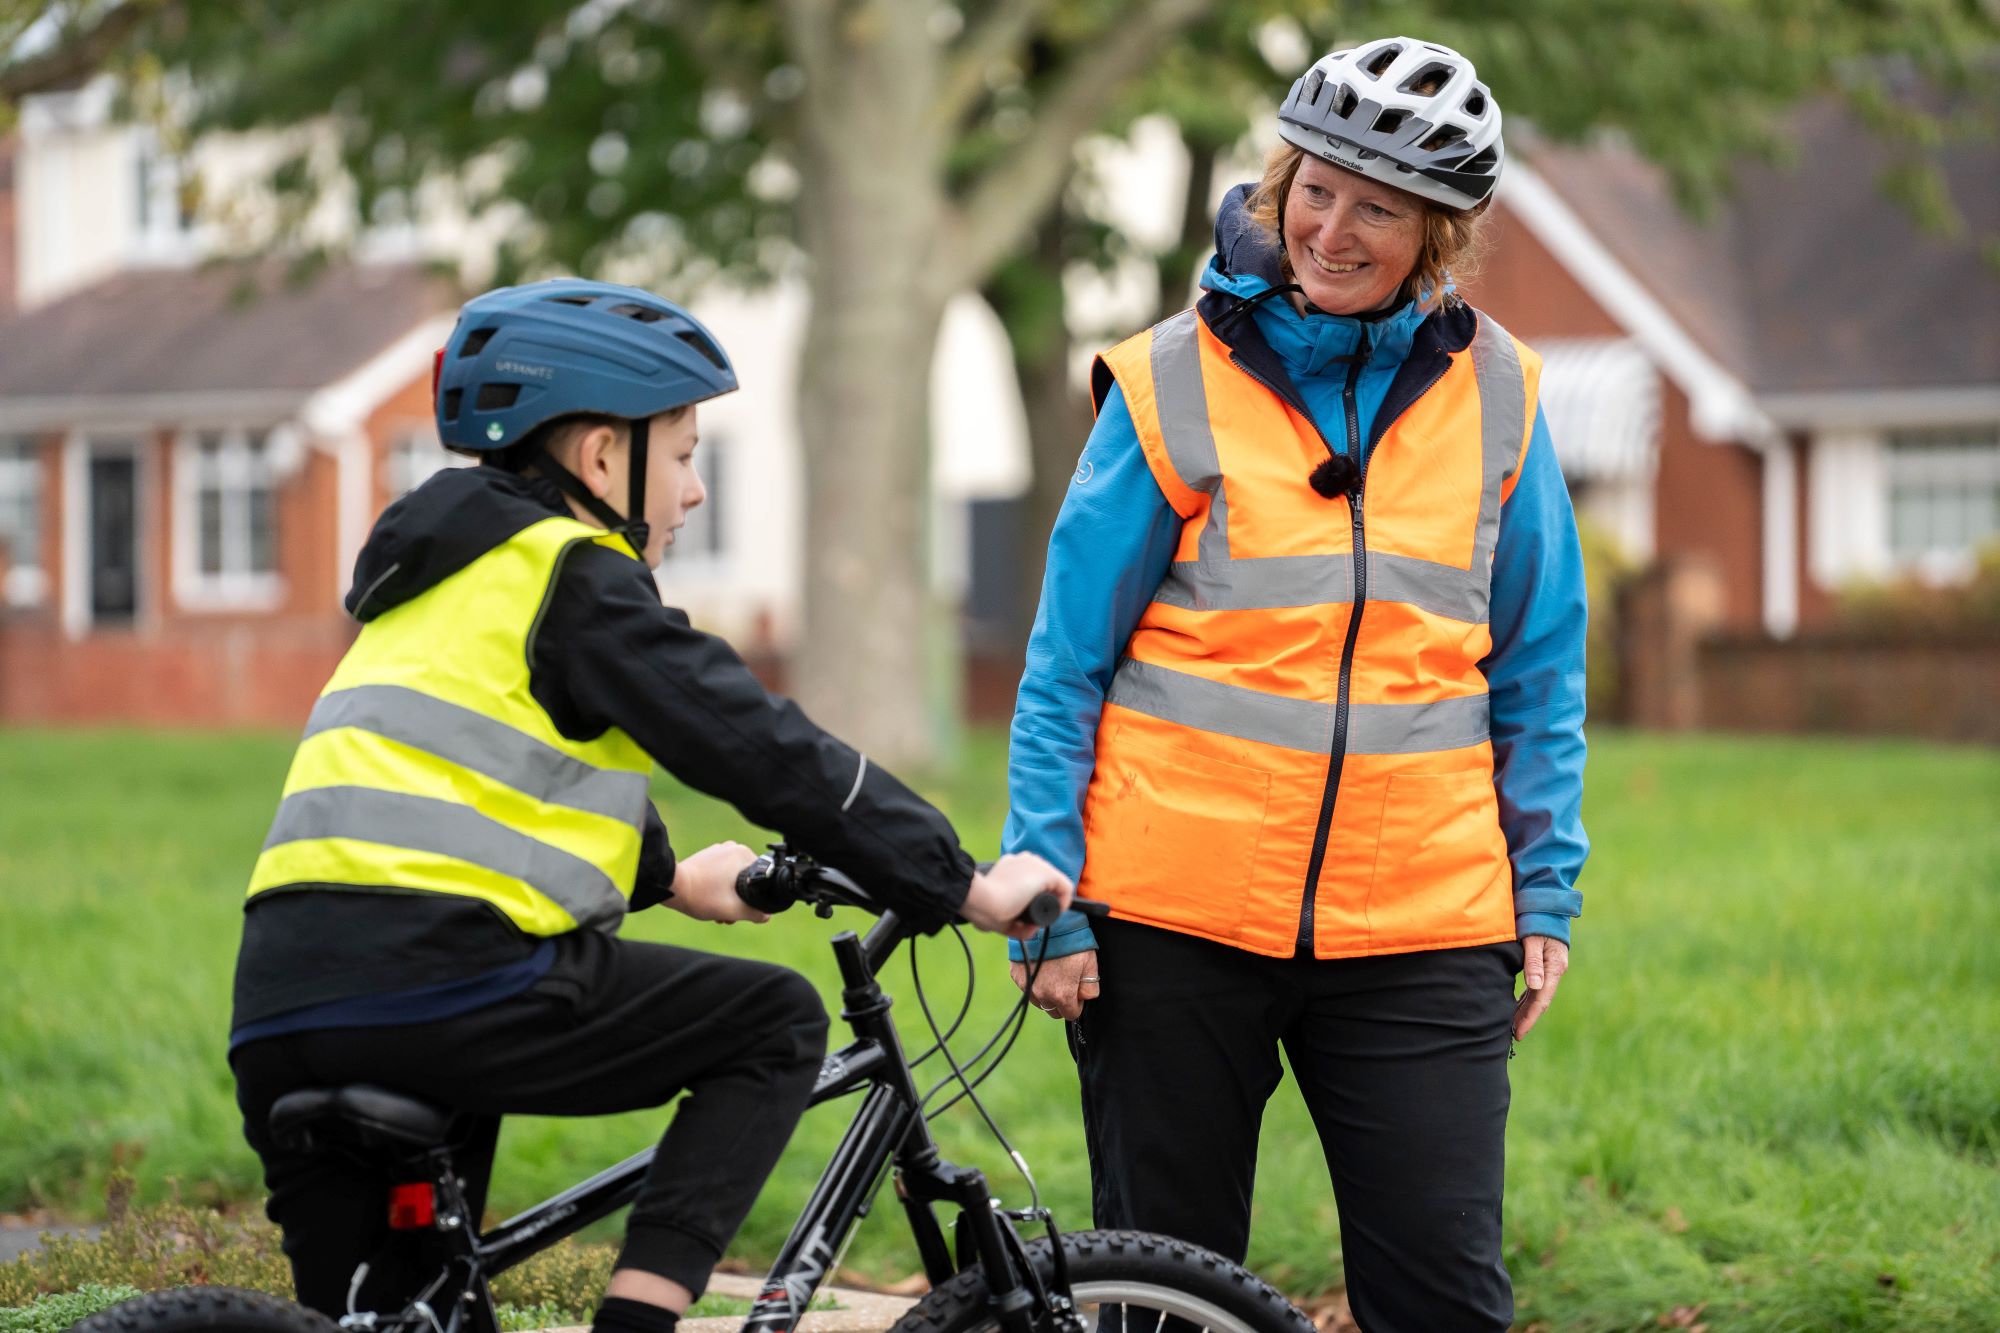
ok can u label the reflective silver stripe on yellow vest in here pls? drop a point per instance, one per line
(450, 829)
(1215, 582)
(472, 740)
(429, 766)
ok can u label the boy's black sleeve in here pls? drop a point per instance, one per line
(608, 654)
(655, 883)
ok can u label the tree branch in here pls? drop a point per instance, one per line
(996, 214)
(80, 54)
(1003, 29)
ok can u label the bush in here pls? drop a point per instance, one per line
(1910, 605)
(174, 1244)
(55, 1313)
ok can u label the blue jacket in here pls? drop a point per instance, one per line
(1115, 538)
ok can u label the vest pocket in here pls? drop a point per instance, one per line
(1171, 836)
(1441, 863)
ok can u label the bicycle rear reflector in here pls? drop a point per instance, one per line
(412, 1207)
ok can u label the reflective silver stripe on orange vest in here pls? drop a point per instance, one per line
(1182, 403)
(1215, 582)
(484, 745)
(1297, 724)
(1257, 584)
(1503, 408)
(424, 824)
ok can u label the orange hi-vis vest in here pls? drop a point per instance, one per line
(1294, 751)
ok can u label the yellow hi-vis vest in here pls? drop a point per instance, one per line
(1242, 696)
(428, 766)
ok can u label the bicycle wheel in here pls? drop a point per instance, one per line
(1126, 1282)
(215, 1309)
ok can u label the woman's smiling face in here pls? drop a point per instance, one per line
(1352, 241)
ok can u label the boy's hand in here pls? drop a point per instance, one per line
(705, 884)
(999, 896)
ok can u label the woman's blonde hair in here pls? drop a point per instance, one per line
(1449, 251)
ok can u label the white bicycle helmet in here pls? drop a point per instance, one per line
(1411, 114)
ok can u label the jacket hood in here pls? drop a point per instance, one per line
(1247, 263)
(439, 528)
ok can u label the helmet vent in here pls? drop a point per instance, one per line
(570, 300)
(452, 398)
(1382, 60)
(645, 314)
(704, 346)
(1484, 162)
(493, 397)
(1475, 105)
(1390, 121)
(1427, 80)
(1345, 104)
(1315, 84)
(1442, 139)
(475, 340)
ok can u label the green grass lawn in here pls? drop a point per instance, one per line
(1770, 1085)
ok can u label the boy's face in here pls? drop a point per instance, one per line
(603, 459)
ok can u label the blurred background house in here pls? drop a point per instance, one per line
(1756, 410)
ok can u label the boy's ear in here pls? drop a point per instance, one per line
(596, 457)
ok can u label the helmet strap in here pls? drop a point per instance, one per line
(634, 530)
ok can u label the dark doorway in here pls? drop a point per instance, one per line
(114, 538)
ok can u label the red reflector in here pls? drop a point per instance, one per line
(437, 373)
(411, 1207)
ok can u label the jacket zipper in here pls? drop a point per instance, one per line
(1337, 757)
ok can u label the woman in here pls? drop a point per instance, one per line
(1304, 703)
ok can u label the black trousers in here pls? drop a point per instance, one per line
(614, 1026)
(1402, 1060)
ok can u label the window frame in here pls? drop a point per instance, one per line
(237, 586)
(27, 579)
(1905, 469)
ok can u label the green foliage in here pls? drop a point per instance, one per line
(54, 1313)
(151, 1248)
(1606, 569)
(1911, 605)
(1766, 1087)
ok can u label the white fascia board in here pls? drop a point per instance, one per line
(147, 411)
(343, 407)
(1880, 409)
(1721, 406)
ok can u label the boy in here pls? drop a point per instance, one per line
(466, 821)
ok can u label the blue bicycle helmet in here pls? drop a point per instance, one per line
(521, 357)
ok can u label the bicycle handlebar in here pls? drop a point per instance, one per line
(779, 879)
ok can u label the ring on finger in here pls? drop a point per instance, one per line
(1092, 980)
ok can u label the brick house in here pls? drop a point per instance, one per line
(158, 430)
(1801, 390)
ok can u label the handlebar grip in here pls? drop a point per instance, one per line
(757, 886)
(1043, 908)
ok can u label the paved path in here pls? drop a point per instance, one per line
(859, 1312)
(20, 1235)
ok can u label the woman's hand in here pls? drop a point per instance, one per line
(1062, 985)
(705, 884)
(999, 896)
(1542, 966)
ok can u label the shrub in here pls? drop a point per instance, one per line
(55, 1313)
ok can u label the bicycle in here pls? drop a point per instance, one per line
(988, 1278)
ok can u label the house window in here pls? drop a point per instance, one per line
(704, 538)
(416, 458)
(227, 518)
(21, 522)
(1944, 496)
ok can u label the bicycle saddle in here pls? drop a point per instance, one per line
(358, 1116)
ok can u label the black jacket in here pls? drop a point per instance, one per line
(603, 653)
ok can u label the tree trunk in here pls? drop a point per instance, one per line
(871, 228)
(1058, 412)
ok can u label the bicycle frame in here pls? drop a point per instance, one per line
(889, 1126)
